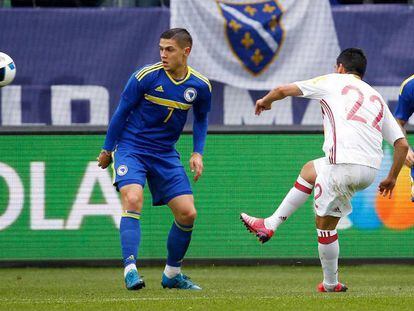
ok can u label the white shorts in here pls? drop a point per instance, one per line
(336, 184)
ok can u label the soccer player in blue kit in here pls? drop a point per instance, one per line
(403, 112)
(140, 139)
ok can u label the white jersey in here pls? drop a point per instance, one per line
(355, 119)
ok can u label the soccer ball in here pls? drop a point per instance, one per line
(7, 69)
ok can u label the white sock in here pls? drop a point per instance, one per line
(128, 268)
(328, 248)
(171, 271)
(292, 201)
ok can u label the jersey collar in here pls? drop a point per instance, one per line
(181, 81)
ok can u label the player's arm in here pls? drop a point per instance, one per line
(200, 126)
(276, 94)
(409, 160)
(130, 96)
(314, 88)
(393, 134)
(403, 112)
(400, 152)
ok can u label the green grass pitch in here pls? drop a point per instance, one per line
(371, 287)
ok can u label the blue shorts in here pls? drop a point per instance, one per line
(163, 170)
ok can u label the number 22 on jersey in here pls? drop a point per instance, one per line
(353, 113)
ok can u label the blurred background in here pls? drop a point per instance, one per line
(149, 3)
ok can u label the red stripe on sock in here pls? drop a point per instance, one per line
(328, 239)
(302, 188)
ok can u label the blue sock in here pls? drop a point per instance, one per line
(177, 244)
(130, 231)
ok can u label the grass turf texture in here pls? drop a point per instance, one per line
(371, 287)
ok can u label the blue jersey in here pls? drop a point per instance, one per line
(156, 107)
(405, 107)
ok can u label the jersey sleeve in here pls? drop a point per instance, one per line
(203, 105)
(133, 90)
(391, 131)
(130, 97)
(315, 88)
(200, 125)
(405, 106)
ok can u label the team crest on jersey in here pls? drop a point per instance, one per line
(122, 170)
(254, 31)
(190, 94)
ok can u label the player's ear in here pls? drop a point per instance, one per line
(340, 68)
(187, 50)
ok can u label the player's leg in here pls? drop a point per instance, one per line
(334, 187)
(169, 185)
(180, 233)
(178, 241)
(130, 174)
(328, 248)
(296, 197)
(130, 232)
(330, 204)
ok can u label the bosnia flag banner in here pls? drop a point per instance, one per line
(257, 44)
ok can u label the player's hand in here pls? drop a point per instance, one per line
(409, 160)
(196, 165)
(386, 186)
(104, 159)
(262, 105)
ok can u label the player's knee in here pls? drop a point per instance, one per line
(132, 201)
(188, 216)
(191, 216)
(326, 222)
(308, 172)
(308, 167)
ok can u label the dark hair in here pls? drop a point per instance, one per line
(181, 35)
(353, 60)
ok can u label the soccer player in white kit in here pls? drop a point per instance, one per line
(355, 119)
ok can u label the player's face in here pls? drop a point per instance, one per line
(172, 55)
